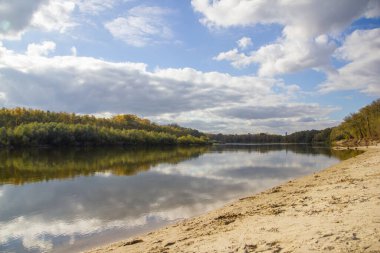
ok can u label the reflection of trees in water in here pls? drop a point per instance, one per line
(295, 148)
(33, 165)
(346, 154)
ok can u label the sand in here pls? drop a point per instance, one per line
(335, 210)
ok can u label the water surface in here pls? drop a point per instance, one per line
(71, 200)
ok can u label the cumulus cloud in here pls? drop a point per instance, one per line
(54, 16)
(304, 18)
(307, 29)
(185, 96)
(244, 42)
(285, 56)
(48, 15)
(141, 26)
(291, 55)
(42, 49)
(16, 15)
(237, 59)
(361, 50)
(60, 82)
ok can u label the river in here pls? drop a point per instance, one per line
(68, 200)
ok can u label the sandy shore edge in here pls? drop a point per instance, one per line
(336, 210)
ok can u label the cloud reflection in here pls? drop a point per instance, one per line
(45, 215)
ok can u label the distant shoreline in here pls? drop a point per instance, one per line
(273, 143)
(336, 209)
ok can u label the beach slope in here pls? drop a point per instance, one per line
(337, 210)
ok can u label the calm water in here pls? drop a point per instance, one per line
(71, 200)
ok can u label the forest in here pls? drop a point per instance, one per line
(359, 128)
(28, 127)
(308, 136)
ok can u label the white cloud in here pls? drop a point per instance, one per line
(96, 6)
(42, 49)
(73, 51)
(238, 60)
(307, 26)
(17, 16)
(287, 55)
(291, 55)
(305, 18)
(142, 25)
(185, 96)
(244, 42)
(361, 50)
(54, 16)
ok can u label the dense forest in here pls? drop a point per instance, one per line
(28, 127)
(359, 128)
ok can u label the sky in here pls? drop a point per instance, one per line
(221, 66)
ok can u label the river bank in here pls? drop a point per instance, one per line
(337, 210)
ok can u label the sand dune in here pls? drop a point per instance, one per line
(336, 210)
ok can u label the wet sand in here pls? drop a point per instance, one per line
(335, 210)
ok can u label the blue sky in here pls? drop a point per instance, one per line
(230, 66)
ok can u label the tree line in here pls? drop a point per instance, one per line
(28, 127)
(308, 136)
(358, 128)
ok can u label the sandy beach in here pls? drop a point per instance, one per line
(336, 210)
